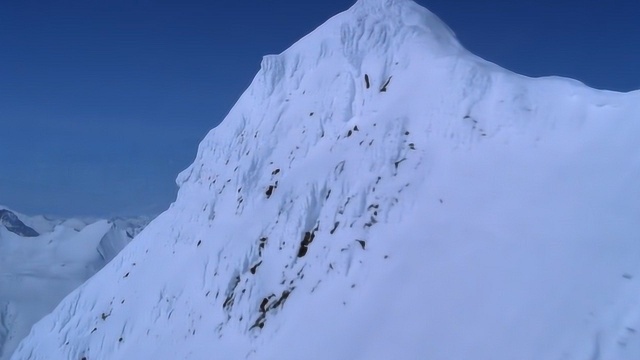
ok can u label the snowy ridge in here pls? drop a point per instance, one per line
(378, 192)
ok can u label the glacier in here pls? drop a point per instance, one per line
(379, 192)
(38, 268)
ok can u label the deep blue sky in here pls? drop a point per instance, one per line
(102, 103)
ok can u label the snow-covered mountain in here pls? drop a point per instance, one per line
(12, 223)
(380, 193)
(39, 270)
(45, 224)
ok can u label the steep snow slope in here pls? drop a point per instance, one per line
(380, 193)
(36, 272)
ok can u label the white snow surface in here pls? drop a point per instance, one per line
(37, 272)
(465, 212)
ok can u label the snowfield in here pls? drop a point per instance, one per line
(378, 192)
(38, 268)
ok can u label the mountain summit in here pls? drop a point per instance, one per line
(380, 193)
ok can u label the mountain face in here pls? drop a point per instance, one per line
(11, 222)
(36, 273)
(380, 193)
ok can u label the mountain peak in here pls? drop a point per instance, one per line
(405, 16)
(15, 225)
(373, 36)
(382, 4)
(379, 193)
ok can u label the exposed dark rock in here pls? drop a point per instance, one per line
(269, 191)
(386, 84)
(15, 225)
(335, 226)
(255, 267)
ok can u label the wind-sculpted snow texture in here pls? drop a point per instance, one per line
(380, 193)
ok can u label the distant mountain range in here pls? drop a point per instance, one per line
(40, 267)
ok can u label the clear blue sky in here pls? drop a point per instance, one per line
(103, 102)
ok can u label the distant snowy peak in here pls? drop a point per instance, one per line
(122, 231)
(15, 225)
(35, 225)
(131, 226)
